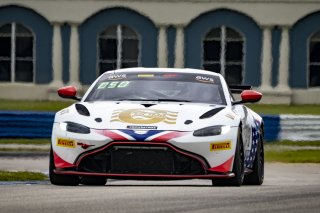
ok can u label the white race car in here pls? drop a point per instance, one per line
(158, 123)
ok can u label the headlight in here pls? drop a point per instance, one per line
(74, 127)
(211, 130)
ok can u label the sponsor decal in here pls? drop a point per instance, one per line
(144, 116)
(113, 84)
(84, 145)
(117, 76)
(141, 127)
(204, 79)
(62, 142)
(230, 116)
(145, 75)
(220, 146)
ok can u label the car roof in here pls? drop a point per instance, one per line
(178, 70)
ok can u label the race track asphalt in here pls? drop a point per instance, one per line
(287, 188)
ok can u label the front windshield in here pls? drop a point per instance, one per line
(158, 86)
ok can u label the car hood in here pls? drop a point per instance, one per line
(148, 115)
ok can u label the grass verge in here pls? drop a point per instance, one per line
(24, 150)
(285, 109)
(293, 156)
(293, 152)
(34, 105)
(21, 176)
(58, 105)
(294, 143)
(25, 141)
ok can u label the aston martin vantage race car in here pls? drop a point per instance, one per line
(158, 124)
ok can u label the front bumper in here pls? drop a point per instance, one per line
(173, 155)
(141, 160)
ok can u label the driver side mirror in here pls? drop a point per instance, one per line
(249, 96)
(68, 92)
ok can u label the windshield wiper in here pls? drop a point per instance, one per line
(171, 100)
(160, 99)
(131, 99)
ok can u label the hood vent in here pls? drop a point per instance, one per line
(148, 105)
(211, 113)
(82, 110)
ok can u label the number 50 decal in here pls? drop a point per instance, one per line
(114, 84)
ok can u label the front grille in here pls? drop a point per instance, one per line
(137, 159)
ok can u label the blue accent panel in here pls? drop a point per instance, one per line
(91, 28)
(197, 29)
(271, 127)
(43, 38)
(299, 35)
(171, 39)
(141, 137)
(276, 39)
(65, 34)
(26, 124)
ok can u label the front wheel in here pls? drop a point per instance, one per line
(62, 180)
(238, 167)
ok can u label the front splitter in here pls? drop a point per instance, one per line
(146, 176)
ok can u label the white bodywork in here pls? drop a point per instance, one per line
(176, 112)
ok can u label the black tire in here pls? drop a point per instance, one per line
(61, 180)
(238, 167)
(257, 175)
(93, 181)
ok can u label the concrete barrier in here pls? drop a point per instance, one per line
(26, 124)
(299, 127)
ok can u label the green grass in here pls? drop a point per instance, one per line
(24, 150)
(21, 176)
(285, 109)
(293, 143)
(58, 105)
(292, 152)
(34, 105)
(293, 156)
(25, 141)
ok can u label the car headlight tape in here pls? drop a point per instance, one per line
(211, 131)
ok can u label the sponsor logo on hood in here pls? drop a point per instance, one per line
(144, 116)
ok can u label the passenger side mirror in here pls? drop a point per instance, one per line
(68, 92)
(249, 96)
